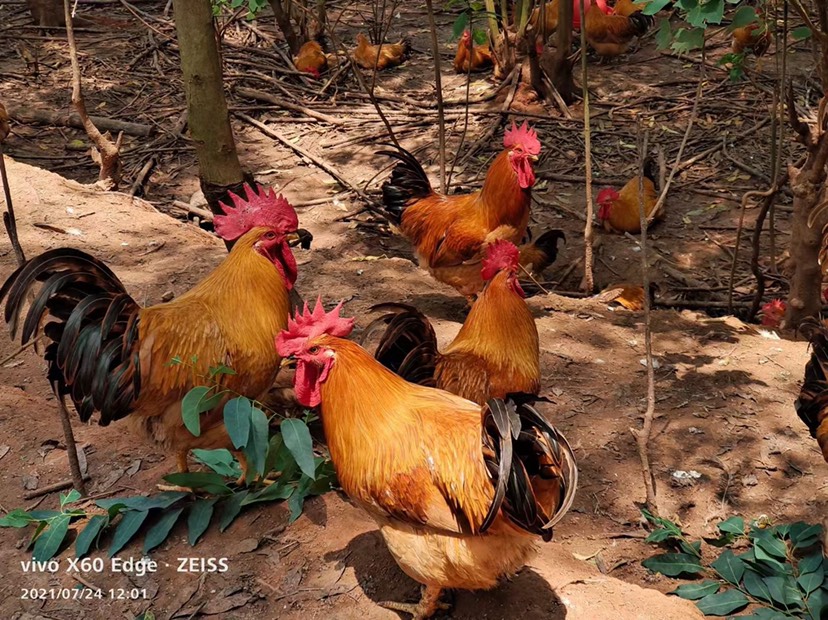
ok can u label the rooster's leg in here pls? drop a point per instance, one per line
(429, 604)
(242, 459)
(183, 468)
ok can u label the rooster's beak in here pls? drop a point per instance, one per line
(301, 238)
(533, 159)
(287, 362)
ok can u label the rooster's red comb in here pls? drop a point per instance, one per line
(523, 135)
(259, 207)
(307, 325)
(500, 255)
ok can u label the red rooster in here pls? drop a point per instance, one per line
(461, 492)
(490, 357)
(450, 233)
(111, 356)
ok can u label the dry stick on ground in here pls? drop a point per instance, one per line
(304, 153)
(642, 436)
(441, 120)
(109, 153)
(588, 283)
(252, 93)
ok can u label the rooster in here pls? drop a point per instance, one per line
(537, 255)
(460, 491)
(490, 357)
(612, 35)
(311, 59)
(755, 37)
(471, 56)
(773, 313)
(627, 7)
(111, 356)
(812, 404)
(619, 211)
(382, 56)
(551, 12)
(450, 233)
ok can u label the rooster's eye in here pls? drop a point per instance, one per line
(270, 235)
(313, 350)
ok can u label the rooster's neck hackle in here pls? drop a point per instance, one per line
(501, 193)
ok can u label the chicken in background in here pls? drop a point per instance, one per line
(537, 255)
(311, 59)
(551, 11)
(619, 211)
(629, 296)
(773, 313)
(382, 57)
(754, 37)
(460, 492)
(812, 404)
(450, 233)
(612, 35)
(496, 352)
(113, 357)
(627, 7)
(470, 56)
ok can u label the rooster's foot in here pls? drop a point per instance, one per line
(429, 604)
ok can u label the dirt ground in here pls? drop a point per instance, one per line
(725, 390)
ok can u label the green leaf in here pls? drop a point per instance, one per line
(230, 509)
(673, 564)
(480, 37)
(297, 499)
(459, 26)
(280, 490)
(818, 604)
(69, 498)
(659, 535)
(257, 444)
(808, 582)
(688, 40)
(221, 369)
(199, 518)
(811, 563)
(220, 461)
(654, 6)
(208, 481)
(237, 413)
(756, 586)
(298, 440)
(804, 535)
(783, 590)
(90, 534)
(733, 525)
(130, 524)
(693, 548)
(723, 603)
(17, 518)
(48, 543)
(325, 477)
(162, 500)
(43, 515)
(277, 454)
(195, 402)
(158, 533)
(801, 33)
(695, 591)
(771, 548)
(744, 15)
(729, 567)
(765, 613)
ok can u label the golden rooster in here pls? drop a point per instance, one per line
(382, 56)
(311, 59)
(112, 356)
(496, 352)
(471, 56)
(612, 35)
(812, 404)
(460, 492)
(619, 211)
(755, 37)
(627, 7)
(450, 233)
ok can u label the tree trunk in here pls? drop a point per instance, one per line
(806, 282)
(47, 13)
(561, 75)
(285, 25)
(218, 162)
